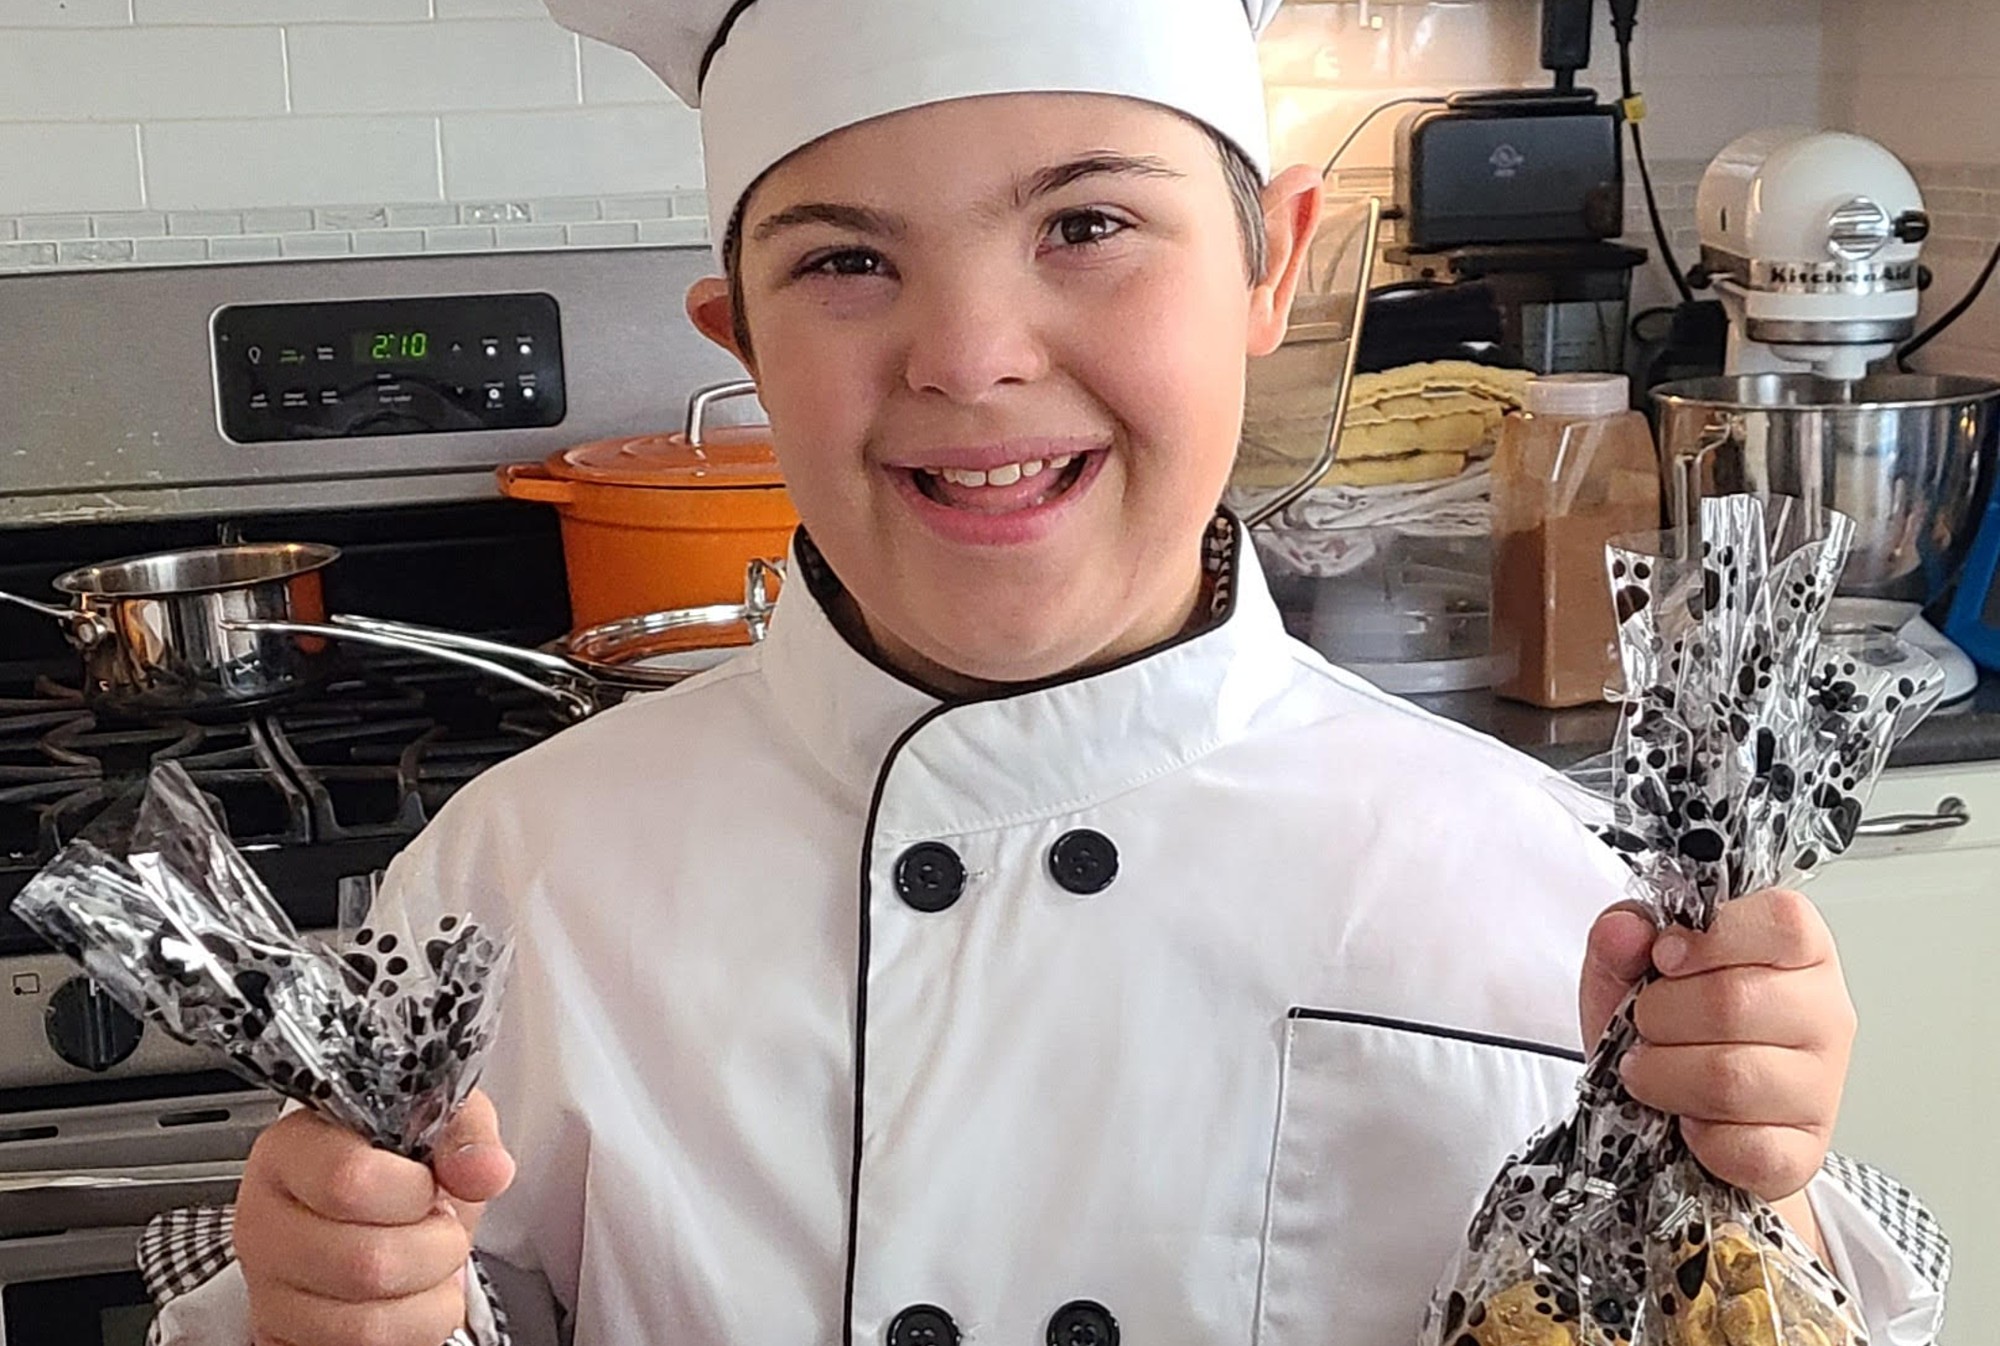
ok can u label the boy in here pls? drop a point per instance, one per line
(1028, 941)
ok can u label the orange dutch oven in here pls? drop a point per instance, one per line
(663, 521)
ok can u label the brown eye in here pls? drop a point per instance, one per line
(846, 262)
(1081, 228)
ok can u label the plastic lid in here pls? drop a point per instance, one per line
(1579, 396)
(738, 456)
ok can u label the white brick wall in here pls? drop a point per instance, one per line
(213, 129)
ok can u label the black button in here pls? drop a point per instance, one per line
(1083, 862)
(923, 1325)
(1083, 1322)
(930, 876)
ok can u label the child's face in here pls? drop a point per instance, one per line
(1049, 290)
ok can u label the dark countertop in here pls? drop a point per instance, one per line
(1968, 731)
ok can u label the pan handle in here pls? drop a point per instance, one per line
(84, 628)
(455, 640)
(572, 703)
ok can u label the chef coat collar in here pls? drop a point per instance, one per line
(1035, 749)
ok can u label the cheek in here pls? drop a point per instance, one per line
(1170, 362)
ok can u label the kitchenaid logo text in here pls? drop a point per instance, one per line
(1821, 276)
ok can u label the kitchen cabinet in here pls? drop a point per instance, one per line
(1917, 917)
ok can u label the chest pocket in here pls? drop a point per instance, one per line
(1388, 1135)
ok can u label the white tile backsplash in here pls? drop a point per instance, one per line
(290, 161)
(582, 153)
(135, 74)
(64, 13)
(163, 13)
(432, 67)
(53, 168)
(56, 226)
(614, 75)
(490, 9)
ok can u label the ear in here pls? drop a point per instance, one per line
(1292, 207)
(714, 316)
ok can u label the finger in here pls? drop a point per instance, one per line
(1615, 957)
(352, 1263)
(337, 1175)
(1763, 1086)
(471, 1162)
(1807, 1010)
(302, 1319)
(1772, 1162)
(1770, 929)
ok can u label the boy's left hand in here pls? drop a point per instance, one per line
(1747, 1034)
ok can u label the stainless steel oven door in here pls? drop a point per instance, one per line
(76, 1288)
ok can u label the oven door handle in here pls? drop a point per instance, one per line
(113, 1198)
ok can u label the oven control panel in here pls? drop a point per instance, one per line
(435, 365)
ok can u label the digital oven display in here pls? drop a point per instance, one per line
(440, 364)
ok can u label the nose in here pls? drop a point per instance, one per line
(971, 338)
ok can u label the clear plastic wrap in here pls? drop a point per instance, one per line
(384, 1036)
(1747, 750)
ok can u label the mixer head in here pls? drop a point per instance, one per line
(1812, 240)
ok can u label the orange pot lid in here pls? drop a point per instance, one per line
(730, 456)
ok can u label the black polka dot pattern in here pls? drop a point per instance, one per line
(179, 930)
(1749, 742)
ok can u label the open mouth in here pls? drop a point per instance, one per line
(1007, 489)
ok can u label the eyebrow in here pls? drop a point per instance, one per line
(1104, 165)
(882, 224)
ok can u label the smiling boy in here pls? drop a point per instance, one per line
(1029, 941)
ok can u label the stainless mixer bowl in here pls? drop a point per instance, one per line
(1910, 457)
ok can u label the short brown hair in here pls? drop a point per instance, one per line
(1246, 193)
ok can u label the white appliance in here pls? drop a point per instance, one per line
(1812, 240)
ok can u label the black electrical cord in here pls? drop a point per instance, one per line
(1949, 316)
(1624, 22)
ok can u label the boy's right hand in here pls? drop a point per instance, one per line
(342, 1244)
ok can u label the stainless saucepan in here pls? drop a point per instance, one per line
(155, 635)
(233, 627)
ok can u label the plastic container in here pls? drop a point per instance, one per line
(1575, 470)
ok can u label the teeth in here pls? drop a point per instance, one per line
(1007, 475)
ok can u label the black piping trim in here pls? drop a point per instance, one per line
(727, 26)
(1435, 1031)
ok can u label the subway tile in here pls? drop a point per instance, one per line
(96, 251)
(162, 13)
(136, 74)
(614, 75)
(610, 235)
(170, 251)
(353, 217)
(530, 236)
(56, 226)
(256, 248)
(591, 152)
(129, 224)
(64, 13)
(9, 230)
(48, 167)
(572, 210)
(205, 223)
(493, 9)
(692, 205)
(323, 243)
(495, 212)
(433, 67)
(638, 207)
(674, 233)
(283, 220)
(389, 242)
(27, 254)
(466, 239)
(423, 217)
(290, 161)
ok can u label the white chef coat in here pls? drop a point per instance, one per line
(1249, 1091)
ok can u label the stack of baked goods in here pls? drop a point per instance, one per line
(1406, 426)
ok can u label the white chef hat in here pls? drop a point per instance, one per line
(772, 76)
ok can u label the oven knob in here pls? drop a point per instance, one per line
(88, 1028)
